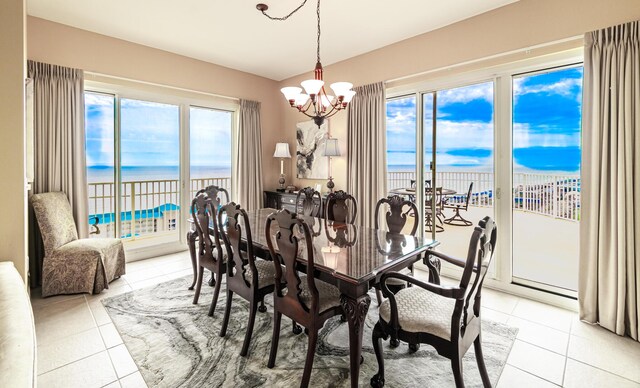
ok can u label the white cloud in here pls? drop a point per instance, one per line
(564, 87)
(524, 137)
(466, 94)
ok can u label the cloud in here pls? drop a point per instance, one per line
(466, 94)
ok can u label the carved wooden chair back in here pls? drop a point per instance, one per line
(481, 248)
(291, 230)
(311, 204)
(204, 215)
(233, 226)
(399, 212)
(341, 207)
(214, 192)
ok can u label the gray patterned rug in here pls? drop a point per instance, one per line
(175, 344)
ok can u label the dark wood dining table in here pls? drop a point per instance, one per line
(348, 256)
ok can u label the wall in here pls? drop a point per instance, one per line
(517, 26)
(13, 228)
(67, 46)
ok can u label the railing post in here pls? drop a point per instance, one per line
(133, 209)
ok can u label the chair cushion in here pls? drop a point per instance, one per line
(421, 311)
(400, 282)
(266, 273)
(329, 294)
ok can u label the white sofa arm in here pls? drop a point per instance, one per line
(17, 331)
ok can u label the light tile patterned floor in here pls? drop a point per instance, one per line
(78, 345)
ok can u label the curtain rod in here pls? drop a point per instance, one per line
(490, 57)
(95, 74)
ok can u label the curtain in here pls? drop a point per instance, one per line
(249, 157)
(59, 146)
(367, 150)
(609, 286)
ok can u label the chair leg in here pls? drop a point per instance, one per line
(456, 365)
(216, 292)
(227, 311)
(262, 308)
(477, 346)
(196, 297)
(296, 329)
(379, 296)
(378, 334)
(249, 333)
(311, 352)
(277, 317)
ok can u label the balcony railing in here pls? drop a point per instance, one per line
(548, 194)
(146, 208)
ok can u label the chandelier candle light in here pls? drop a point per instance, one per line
(315, 103)
(282, 152)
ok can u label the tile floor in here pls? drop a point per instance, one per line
(78, 346)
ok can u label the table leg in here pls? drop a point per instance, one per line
(356, 312)
(191, 241)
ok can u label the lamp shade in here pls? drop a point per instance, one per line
(331, 148)
(282, 151)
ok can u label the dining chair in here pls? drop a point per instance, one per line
(398, 213)
(457, 219)
(247, 276)
(447, 318)
(341, 207)
(432, 219)
(210, 250)
(214, 192)
(311, 203)
(306, 300)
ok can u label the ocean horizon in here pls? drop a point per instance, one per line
(103, 174)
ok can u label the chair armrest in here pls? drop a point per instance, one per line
(449, 259)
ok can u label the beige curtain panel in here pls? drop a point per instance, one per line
(609, 287)
(367, 150)
(249, 157)
(59, 143)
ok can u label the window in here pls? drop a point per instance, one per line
(138, 189)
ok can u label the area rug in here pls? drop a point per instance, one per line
(175, 344)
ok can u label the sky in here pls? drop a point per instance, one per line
(546, 124)
(150, 133)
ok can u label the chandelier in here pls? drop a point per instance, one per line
(315, 102)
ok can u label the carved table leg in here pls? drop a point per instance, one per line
(356, 312)
(191, 241)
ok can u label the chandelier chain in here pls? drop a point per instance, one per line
(282, 18)
(318, 51)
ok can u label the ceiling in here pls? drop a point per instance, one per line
(234, 34)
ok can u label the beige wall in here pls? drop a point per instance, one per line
(13, 228)
(63, 45)
(517, 26)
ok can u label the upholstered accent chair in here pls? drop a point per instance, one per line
(73, 265)
(304, 299)
(401, 216)
(447, 318)
(309, 202)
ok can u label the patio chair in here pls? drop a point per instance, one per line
(72, 265)
(457, 219)
(447, 318)
(431, 219)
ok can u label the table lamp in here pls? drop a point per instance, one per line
(282, 151)
(331, 149)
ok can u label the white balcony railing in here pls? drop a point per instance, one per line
(152, 207)
(146, 208)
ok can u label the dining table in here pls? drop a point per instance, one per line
(351, 257)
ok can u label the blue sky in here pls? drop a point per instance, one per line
(150, 133)
(546, 113)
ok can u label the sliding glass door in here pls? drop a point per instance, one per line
(546, 178)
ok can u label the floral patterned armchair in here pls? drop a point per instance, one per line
(73, 265)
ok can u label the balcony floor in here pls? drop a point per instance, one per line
(545, 249)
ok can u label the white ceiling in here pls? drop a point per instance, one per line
(234, 34)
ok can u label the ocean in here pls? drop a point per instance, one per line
(101, 174)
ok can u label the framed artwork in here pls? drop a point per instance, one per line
(310, 143)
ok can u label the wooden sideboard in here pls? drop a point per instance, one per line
(281, 200)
